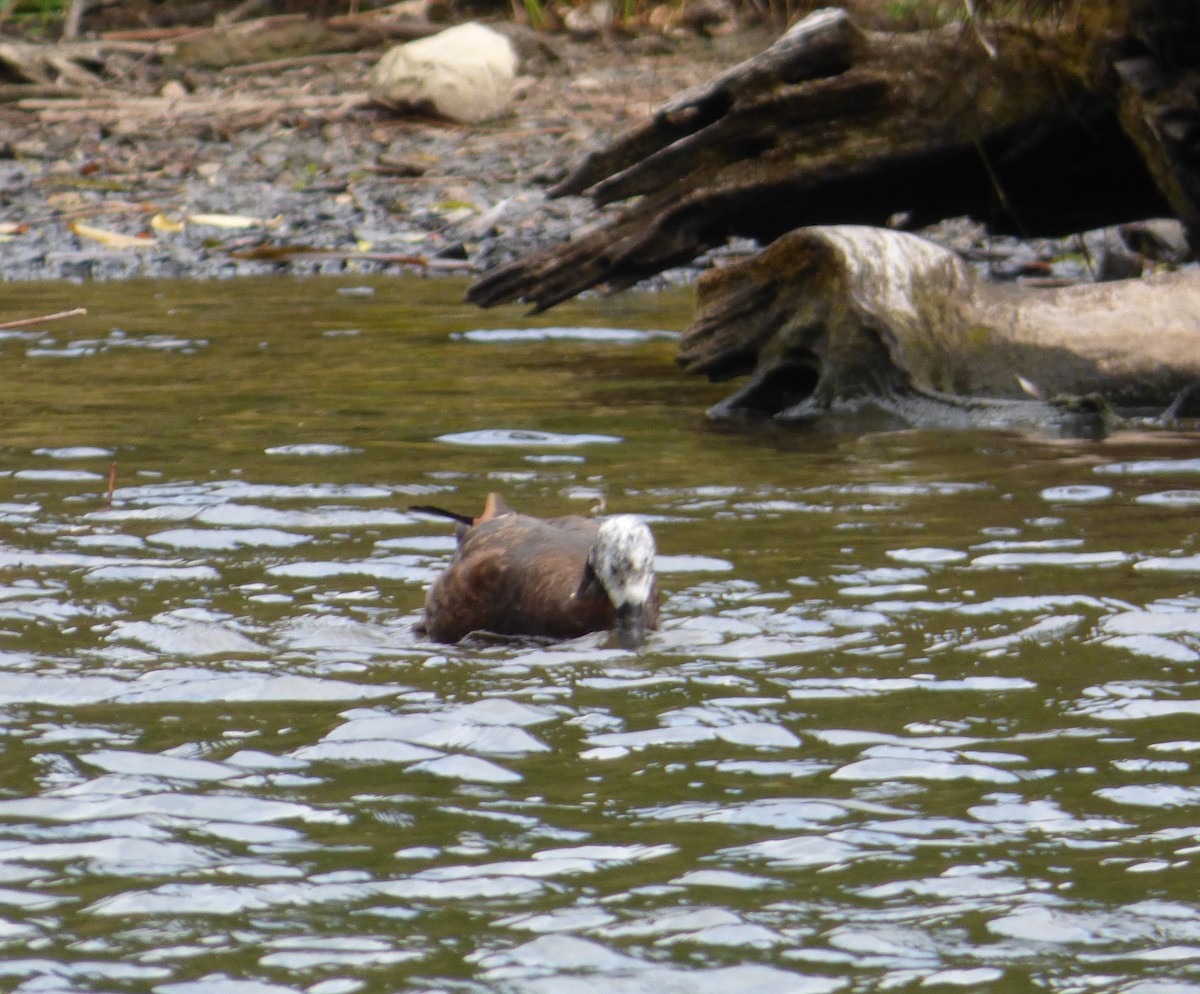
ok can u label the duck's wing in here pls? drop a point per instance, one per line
(517, 575)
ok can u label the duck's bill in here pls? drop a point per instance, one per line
(630, 627)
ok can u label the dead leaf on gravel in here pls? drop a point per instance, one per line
(162, 223)
(112, 239)
(274, 253)
(228, 220)
(68, 200)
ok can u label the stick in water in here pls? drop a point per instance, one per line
(112, 484)
(57, 315)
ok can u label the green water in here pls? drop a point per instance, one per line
(922, 713)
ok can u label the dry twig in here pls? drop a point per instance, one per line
(43, 318)
(147, 109)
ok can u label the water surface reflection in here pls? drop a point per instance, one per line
(922, 713)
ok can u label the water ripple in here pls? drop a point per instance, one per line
(524, 438)
(182, 685)
(510, 336)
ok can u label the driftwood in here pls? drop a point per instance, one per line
(73, 66)
(1043, 129)
(74, 312)
(88, 68)
(286, 36)
(146, 111)
(833, 317)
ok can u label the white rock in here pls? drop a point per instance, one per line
(464, 73)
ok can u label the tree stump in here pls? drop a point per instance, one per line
(830, 317)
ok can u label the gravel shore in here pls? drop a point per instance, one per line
(364, 190)
(114, 191)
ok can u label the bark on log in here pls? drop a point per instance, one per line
(843, 315)
(833, 125)
(1159, 101)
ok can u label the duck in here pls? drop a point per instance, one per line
(553, 578)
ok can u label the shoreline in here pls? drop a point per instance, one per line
(359, 190)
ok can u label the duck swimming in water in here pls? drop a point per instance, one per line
(514, 574)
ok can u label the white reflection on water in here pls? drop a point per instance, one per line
(518, 335)
(180, 685)
(524, 438)
(544, 965)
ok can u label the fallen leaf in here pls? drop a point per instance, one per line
(112, 239)
(1030, 387)
(68, 200)
(160, 222)
(274, 252)
(227, 220)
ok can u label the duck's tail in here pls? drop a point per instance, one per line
(493, 507)
(441, 512)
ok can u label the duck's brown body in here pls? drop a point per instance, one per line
(514, 574)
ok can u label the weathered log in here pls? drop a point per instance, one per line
(226, 110)
(271, 38)
(67, 66)
(830, 317)
(822, 45)
(1158, 69)
(82, 68)
(1026, 128)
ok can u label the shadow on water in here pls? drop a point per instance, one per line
(921, 713)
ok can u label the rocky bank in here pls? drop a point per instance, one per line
(288, 167)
